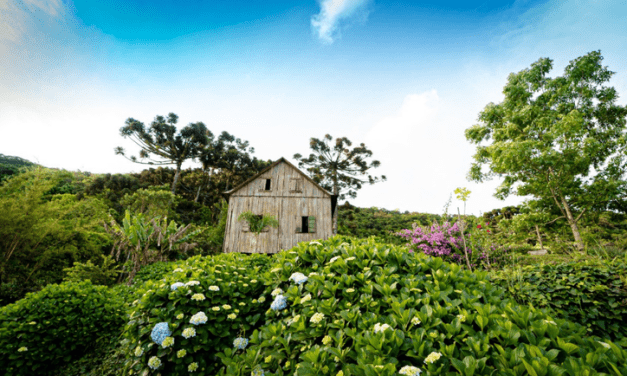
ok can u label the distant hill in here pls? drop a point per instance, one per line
(10, 165)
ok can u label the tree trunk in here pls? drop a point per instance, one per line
(201, 185)
(176, 178)
(573, 225)
(539, 237)
(337, 208)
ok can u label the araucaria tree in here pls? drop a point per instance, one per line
(338, 168)
(162, 145)
(560, 140)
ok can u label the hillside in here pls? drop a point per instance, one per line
(9, 165)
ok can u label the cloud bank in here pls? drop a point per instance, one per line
(326, 24)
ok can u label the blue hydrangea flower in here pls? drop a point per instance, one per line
(240, 343)
(176, 285)
(298, 278)
(279, 303)
(160, 332)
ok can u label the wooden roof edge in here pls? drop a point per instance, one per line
(282, 159)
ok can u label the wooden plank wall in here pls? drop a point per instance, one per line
(288, 207)
(280, 176)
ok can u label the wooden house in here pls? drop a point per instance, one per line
(303, 208)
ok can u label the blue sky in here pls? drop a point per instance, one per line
(406, 78)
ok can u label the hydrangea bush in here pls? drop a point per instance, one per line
(200, 308)
(56, 325)
(374, 309)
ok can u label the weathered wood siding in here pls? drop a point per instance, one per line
(286, 202)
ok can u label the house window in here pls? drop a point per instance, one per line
(268, 184)
(305, 224)
(296, 185)
(246, 226)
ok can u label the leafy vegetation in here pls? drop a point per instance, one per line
(141, 241)
(592, 292)
(257, 223)
(162, 142)
(56, 325)
(560, 140)
(379, 222)
(103, 274)
(338, 169)
(201, 304)
(10, 166)
(357, 307)
(43, 233)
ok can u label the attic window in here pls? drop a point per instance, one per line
(268, 184)
(296, 185)
(307, 224)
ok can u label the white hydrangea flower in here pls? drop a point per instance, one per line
(305, 298)
(415, 320)
(189, 332)
(154, 362)
(214, 288)
(199, 318)
(167, 342)
(607, 346)
(293, 320)
(409, 371)
(199, 297)
(139, 351)
(192, 283)
(317, 317)
(276, 292)
(381, 327)
(433, 357)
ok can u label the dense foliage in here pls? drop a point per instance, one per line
(592, 293)
(357, 307)
(56, 325)
(10, 166)
(560, 140)
(42, 232)
(195, 312)
(379, 222)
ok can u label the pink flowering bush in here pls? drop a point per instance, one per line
(443, 241)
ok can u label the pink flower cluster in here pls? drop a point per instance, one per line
(440, 241)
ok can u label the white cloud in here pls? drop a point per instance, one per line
(332, 12)
(16, 17)
(425, 156)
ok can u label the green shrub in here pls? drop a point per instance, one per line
(232, 308)
(372, 309)
(50, 328)
(590, 292)
(103, 274)
(154, 271)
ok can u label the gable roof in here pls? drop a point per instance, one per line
(230, 192)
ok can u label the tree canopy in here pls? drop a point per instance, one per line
(162, 145)
(559, 140)
(338, 168)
